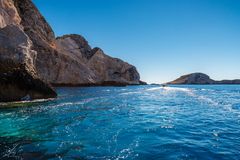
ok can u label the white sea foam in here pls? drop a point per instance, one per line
(75, 103)
(155, 88)
(170, 89)
(128, 93)
(190, 92)
(176, 89)
(208, 100)
(24, 102)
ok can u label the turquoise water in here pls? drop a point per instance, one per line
(137, 122)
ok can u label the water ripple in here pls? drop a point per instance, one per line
(135, 122)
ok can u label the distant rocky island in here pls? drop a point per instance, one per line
(201, 78)
(32, 59)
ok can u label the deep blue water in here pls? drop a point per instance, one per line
(137, 122)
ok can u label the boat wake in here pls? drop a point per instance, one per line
(201, 97)
(173, 89)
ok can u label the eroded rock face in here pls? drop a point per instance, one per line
(110, 69)
(69, 60)
(8, 13)
(29, 50)
(18, 79)
(53, 64)
(34, 24)
(100, 68)
(42, 36)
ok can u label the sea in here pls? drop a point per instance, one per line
(185, 122)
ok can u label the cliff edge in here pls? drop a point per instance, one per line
(31, 58)
(70, 60)
(18, 77)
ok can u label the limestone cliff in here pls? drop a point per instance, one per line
(18, 77)
(8, 14)
(69, 60)
(99, 68)
(31, 57)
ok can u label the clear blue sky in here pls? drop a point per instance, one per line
(162, 38)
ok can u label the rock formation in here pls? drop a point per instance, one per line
(194, 78)
(8, 14)
(200, 78)
(31, 57)
(18, 77)
(69, 60)
(96, 67)
(235, 81)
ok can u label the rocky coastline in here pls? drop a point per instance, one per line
(33, 59)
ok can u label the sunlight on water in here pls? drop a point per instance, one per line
(137, 122)
(174, 89)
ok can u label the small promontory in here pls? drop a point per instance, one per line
(201, 78)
